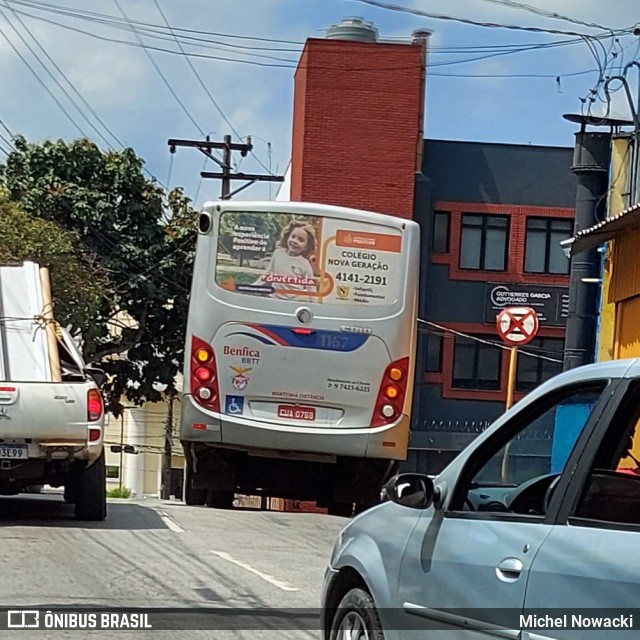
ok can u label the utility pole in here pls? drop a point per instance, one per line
(165, 492)
(120, 472)
(592, 154)
(225, 175)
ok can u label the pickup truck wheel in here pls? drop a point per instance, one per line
(91, 496)
(192, 497)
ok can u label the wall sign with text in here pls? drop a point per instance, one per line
(550, 303)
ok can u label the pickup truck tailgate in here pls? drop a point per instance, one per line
(44, 410)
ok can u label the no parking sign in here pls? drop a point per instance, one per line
(517, 325)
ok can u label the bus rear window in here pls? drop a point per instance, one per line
(308, 258)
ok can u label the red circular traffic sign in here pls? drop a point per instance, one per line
(517, 325)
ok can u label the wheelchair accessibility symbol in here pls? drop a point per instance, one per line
(234, 405)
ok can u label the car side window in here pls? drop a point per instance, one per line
(611, 493)
(515, 473)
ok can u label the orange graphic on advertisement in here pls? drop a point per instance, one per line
(364, 240)
(228, 283)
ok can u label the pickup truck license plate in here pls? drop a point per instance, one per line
(14, 451)
(293, 412)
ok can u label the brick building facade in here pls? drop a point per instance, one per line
(491, 216)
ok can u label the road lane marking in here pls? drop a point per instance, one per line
(265, 576)
(170, 522)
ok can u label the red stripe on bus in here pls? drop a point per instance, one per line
(266, 332)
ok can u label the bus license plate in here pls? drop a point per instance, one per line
(14, 451)
(293, 412)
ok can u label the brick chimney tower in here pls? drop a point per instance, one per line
(357, 119)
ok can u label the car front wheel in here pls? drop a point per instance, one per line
(356, 618)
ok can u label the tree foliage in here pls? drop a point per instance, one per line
(129, 254)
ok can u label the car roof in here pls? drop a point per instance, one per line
(625, 368)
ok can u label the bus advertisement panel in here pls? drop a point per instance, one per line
(312, 258)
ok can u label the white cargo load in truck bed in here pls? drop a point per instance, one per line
(24, 350)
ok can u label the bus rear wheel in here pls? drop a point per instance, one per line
(343, 509)
(192, 497)
(220, 499)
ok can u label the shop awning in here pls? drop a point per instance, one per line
(606, 230)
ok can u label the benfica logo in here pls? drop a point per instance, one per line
(240, 380)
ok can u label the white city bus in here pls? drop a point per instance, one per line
(299, 357)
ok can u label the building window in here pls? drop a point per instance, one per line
(476, 365)
(533, 371)
(434, 353)
(440, 241)
(543, 253)
(483, 242)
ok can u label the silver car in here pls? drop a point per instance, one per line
(532, 532)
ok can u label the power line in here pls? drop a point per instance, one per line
(37, 77)
(8, 142)
(293, 63)
(200, 180)
(157, 68)
(153, 30)
(513, 75)
(546, 14)
(202, 84)
(106, 19)
(6, 128)
(66, 93)
(482, 340)
(170, 170)
(475, 23)
(350, 69)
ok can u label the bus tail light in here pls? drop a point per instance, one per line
(391, 393)
(204, 375)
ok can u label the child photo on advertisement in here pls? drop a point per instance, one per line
(290, 268)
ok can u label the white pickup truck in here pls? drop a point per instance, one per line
(51, 409)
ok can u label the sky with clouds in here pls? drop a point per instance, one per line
(138, 72)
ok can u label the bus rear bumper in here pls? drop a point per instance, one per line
(196, 425)
(389, 442)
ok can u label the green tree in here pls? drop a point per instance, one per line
(122, 231)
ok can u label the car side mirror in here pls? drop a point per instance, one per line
(98, 375)
(413, 490)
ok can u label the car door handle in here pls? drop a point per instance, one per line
(509, 569)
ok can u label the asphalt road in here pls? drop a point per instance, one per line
(153, 553)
